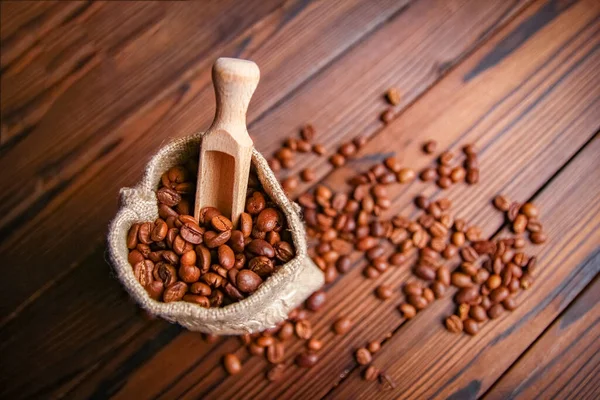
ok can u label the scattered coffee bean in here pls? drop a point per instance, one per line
(342, 325)
(430, 146)
(363, 356)
(454, 324)
(384, 292)
(371, 374)
(232, 364)
(306, 360)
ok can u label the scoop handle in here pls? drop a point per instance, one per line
(235, 81)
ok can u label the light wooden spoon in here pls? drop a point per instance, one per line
(226, 147)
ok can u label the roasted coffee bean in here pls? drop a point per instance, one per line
(408, 311)
(248, 281)
(419, 302)
(444, 170)
(240, 261)
(520, 223)
(463, 311)
(438, 229)
(425, 272)
(261, 248)
(236, 241)
(212, 279)
(443, 275)
(449, 252)
(172, 258)
(265, 341)
(458, 174)
(175, 292)
(216, 298)
(232, 364)
(538, 237)
(469, 268)
(192, 233)
(470, 326)
(472, 176)
(513, 211)
(461, 280)
(502, 203)
(509, 303)
(342, 325)
(215, 239)
(397, 259)
(316, 301)
(303, 329)
(384, 292)
(428, 174)
(203, 258)
(343, 264)
(430, 146)
(132, 236)
(200, 288)
(406, 175)
(168, 197)
(144, 232)
(478, 313)
(444, 182)
(189, 273)
(495, 311)
(363, 356)
(533, 225)
(143, 272)
(454, 324)
(155, 289)
(166, 212)
(481, 276)
(255, 203)
(276, 352)
(337, 160)
(284, 251)
(466, 295)
(159, 231)
(428, 295)
(499, 294)
(469, 254)
(374, 347)
(307, 360)
(187, 258)
(267, 220)
(286, 331)
(226, 256)
(331, 273)
(347, 149)
(530, 210)
(165, 273)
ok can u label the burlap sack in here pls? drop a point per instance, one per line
(269, 305)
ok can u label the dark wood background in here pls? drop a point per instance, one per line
(89, 90)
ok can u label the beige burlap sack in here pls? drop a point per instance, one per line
(269, 305)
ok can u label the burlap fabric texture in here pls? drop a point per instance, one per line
(269, 305)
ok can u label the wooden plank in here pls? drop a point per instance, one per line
(483, 19)
(519, 121)
(557, 62)
(564, 361)
(426, 361)
(93, 171)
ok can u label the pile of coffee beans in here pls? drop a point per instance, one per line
(206, 261)
(523, 217)
(450, 171)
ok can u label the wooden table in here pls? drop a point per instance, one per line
(90, 90)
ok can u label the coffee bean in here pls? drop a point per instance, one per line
(463, 311)
(466, 295)
(384, 292)
(175, 292)
(261, 247)
(316, 301)
(495, 311)
(461, 280)
(255, 203)
(419, 302)
(533, 225)
(132, 236)
(286, 331)
(425, 272)
(371, 374)
(520, 223)
(319, 149)
(471, 326)
(478, 313)
(189, 273)
(428, 295)
(374, 347)
(303, 329)
(337, 160)
(502, 203)
(406, 175)
(168, 197)
(221, 223)
(469, 254)
(499, 294)
(275, 352)
(408, 311)
(192, 233)
(530, 210)
(226, 256)
(248, 281)
(342, 325)
(538, 237)
(472, 176)
(268, 220)
(458, 174)
(509, 303)
(284, 251)
(200, 288)
(215, 239)
(430, 146)
(444, 182)
(232, 364)
(306, 360)
(454, 324)
(363, 356)
(428, 174)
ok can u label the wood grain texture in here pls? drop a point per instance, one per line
(112, 154)
(426, 361)
(564, 361)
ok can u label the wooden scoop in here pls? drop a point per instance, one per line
(226, 147)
